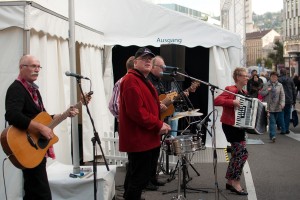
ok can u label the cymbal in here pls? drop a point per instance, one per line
(176, 117)
(190, 114)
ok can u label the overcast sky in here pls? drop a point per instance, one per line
(213, 6)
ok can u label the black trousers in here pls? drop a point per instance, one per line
(36, 183)
(141, 166)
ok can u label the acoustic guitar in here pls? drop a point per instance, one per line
(27, 149)
(169, 98)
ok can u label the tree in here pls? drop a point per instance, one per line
(268, 62)
(277, 56)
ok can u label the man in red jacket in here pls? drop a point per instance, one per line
(140, 124)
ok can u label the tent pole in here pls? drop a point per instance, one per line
(73, 91)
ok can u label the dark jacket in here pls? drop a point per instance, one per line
(160, 88)
(289, 89)
(19, 106)
(139, 114)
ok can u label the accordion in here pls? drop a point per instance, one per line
(251, 115)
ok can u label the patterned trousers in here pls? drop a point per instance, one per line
(239, 155)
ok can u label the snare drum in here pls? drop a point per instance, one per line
(183, 144)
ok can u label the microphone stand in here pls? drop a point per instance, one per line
(215, 159)
(94, 140)
(187, 102)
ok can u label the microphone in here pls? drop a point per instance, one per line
(206, 118)
(170, 67)
(167, 73)
(76, 75)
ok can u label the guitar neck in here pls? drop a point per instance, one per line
(62, 117)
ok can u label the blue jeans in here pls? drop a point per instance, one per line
(287, 116)
(276, 116)
(174, 125)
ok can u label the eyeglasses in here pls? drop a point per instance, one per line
(160, 66)
(33, 66)
(245, 76)
(144, 58)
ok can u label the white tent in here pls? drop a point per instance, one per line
(27, 27)
(40, 28)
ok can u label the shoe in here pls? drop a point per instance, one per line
(158, 183)
(282, 133)
(151, 187)
(232, 189)
(287, 132)
(229, 187)
(273, 139)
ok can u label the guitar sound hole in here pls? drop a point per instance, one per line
(43, 142)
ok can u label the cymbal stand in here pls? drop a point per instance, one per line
(179, 196)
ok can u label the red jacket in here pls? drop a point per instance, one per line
(139, 114)
(226, 100)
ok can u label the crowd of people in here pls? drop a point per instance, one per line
(279, 91)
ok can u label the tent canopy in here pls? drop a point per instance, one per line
(141, 23)
(133, 22)
(29, 15)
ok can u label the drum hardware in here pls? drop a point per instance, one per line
(181, 167)
(182, 146)
(179, 196)
(186, 161)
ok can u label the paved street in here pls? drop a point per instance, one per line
(272, 172)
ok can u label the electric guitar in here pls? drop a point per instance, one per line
(27, 149)
(169, 98)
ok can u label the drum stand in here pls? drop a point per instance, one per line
(182, 165)
(184, 160)
(179, 196)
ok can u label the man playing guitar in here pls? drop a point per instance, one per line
(23, 103)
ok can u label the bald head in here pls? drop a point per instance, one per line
(157, 66)
(29, 67)
(26, 58)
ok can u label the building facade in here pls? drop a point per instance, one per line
(259, 44)
(291, 27)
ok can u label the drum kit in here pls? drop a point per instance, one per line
(180, 146)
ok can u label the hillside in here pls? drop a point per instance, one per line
(269, 20)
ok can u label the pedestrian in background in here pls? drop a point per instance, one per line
(273, 94)
(290, 98)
